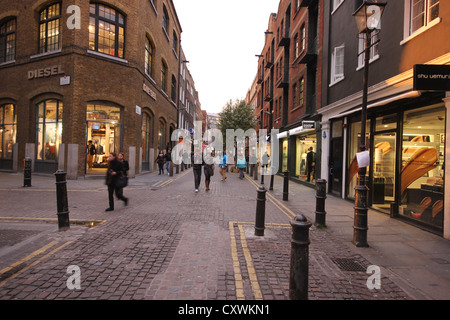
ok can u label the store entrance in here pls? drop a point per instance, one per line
(102, 138)
(384, 168)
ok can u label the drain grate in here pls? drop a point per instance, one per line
(346, 264)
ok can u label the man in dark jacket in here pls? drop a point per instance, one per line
(115, 170)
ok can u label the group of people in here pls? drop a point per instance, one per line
(164, 159)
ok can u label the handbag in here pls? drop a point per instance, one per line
(121, 182)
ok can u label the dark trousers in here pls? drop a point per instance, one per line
(119, 194)
(197, 177)
(161, 167)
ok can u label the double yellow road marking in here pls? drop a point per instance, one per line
(7, 273)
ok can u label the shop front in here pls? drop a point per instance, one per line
(8, 124)
(103, 135)
(407, 149)
(298, 153)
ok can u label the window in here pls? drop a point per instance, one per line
(174, 89)
(175, 43)
(336, 4)
(8, 41)
(106, 30)
(49, 28)
(374, 49)
(146, 139)
(337, 64)
(149, 50)
(164, 76)
(8, 121)
(165, 22)
(301, 94)
(302, 38)
(294, 94)
(49, 129)
(422, 12)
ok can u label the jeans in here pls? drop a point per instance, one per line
(197, 177)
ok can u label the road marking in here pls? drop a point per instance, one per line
(239, 284)
(38, 260)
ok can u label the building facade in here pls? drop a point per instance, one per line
(74, 71)
(289, 78)
(406, 127)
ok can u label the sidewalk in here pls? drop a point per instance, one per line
(170, 243)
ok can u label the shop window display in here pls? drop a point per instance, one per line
(422, 173)
(103, 129)
(306, 158)
(49, 129)
(7, 131)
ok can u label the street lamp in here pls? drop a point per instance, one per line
(368, 19)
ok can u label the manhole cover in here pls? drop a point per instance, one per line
(348, 264)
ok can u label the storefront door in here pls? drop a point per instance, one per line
(102, 136)
(336, 153)
(384, 168)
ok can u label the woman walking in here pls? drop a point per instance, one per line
(115, 170)
(208, 169)
(161, 159)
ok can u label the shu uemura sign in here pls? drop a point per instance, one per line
(432, 77)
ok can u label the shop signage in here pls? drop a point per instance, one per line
(432, 77)
(149, 91)
(45, 72)
(308, 124)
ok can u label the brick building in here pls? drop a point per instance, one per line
(289, 77)
(77, 70)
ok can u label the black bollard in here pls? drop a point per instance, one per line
(61, 200)
(256, 172)
(272, 176)
(177, 169)
(321, 195)
(260, 212)
(286, 186)
(298, 281)
(262, 174)
(27, 173)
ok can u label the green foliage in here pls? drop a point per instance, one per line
(237, 115)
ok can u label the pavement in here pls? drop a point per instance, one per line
(173, 244)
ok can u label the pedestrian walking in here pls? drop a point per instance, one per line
(160, 160)
(125, 167)
(91, 151)
(168, 158)
(241, 164)
(310, 163)
(114, 172)
(209, 172)
(223, 167)
(197, 163)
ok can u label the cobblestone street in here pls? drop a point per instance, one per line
(169, 243)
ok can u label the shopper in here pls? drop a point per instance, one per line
(223, 167)
(168, 158)
(310, 164)
(161, 159)
(90, 154)
(125, 167)
(115, 170)
(209, 172)
(241, 164)
(197, 163)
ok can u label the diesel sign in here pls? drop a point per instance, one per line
(45, 72)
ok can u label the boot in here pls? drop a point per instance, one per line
(207, 185)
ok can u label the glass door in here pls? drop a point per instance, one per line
(384, 155)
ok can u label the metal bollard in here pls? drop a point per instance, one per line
(255, 172)
(321, 195)
(177, 169)
(260, 212)
(286, 186)
(27, 173)
(61, 200)
(299, 272)
(272, 177)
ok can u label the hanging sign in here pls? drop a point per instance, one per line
(432, 77)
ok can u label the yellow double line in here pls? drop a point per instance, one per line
(4, 273)
(277, 203)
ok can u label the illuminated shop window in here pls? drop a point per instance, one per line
(106, 30)
(49, 28)
(8, 41)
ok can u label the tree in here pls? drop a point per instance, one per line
(236, 115)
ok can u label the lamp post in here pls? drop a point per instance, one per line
(368, 19)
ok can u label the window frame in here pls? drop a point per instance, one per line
(47, 21)
(4, 50)
(117, 24)
(337, 77)
(374, 49)
(149, 57)
(408, 34)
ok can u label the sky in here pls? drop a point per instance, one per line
(220, 40)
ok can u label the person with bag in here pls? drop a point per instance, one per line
(241, 164)
(209, 172)
(161, 159)
(113, 175)
(223, 167)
